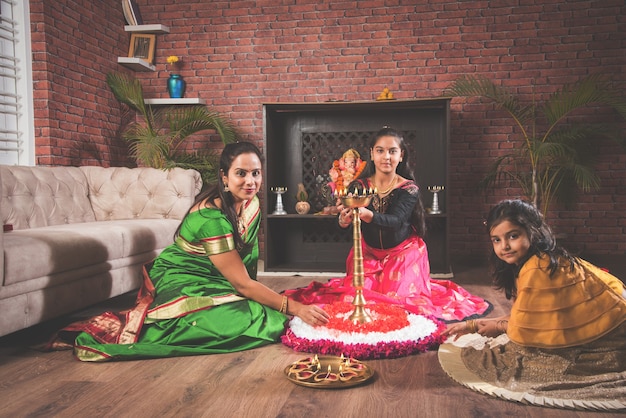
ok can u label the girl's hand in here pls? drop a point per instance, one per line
(485, 327)
(366, 215)
(311, 314)
(345, 216)
(492, 328)
(456, 330)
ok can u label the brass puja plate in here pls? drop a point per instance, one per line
(328, 372)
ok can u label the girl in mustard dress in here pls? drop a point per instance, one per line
(567, 327)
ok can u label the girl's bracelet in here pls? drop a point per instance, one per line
(502, 325)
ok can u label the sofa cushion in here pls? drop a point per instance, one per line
(65, 248)
(125, 193)
(35, 197)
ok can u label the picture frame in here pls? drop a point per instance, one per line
(142, 45)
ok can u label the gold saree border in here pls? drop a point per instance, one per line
(185, 305)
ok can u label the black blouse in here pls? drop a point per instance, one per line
(392, 216)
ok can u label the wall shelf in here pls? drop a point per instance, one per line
(170, 102)
(136, 64)
(156, 28)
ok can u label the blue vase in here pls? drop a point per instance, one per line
(176, 86)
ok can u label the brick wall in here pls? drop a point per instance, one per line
(238, 55)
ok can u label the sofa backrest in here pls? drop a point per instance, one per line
(37, 196)
(43, 196)
(149, 193)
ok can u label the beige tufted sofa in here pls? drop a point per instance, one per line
(75, 236)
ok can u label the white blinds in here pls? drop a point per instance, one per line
(15, 83)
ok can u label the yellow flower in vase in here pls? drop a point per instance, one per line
(175, 62)
(173, 59)
(175, 83)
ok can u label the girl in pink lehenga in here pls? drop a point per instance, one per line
(395, 258)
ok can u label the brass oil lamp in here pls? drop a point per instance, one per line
(354, 201)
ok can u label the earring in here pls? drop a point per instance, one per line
(226, 189)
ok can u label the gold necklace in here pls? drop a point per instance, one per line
(393, 183)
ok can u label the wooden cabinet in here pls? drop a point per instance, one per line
(301, 141)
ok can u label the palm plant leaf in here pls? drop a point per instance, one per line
(129, 91)
(151, 150)
(549, 153)
(204, 162)
(183, 122)
(593, 89)
(559, 160)
(483, 87)
(506, 169)
(585, 177)
(496, 172)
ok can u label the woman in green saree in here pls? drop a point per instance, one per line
(200, 295)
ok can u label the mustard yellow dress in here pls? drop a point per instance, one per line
(569, 308)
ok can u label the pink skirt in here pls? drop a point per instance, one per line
(400, 275)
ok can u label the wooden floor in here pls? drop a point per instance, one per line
(245, 384)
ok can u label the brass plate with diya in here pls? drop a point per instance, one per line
(328, 372)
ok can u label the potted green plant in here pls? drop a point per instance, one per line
(157, 139)
(556, 154)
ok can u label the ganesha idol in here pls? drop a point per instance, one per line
(343, 171)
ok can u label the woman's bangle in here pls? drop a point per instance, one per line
(283, 305)
(341, 223)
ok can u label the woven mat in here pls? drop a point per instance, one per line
(452, 363)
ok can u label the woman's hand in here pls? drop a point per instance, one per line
(311, 314)
(231, 266)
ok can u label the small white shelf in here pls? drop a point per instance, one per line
(183, 101)
(156, 28)
(136, 64)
